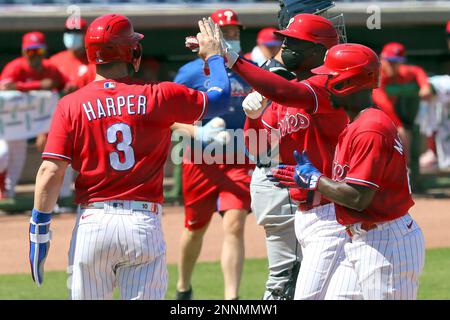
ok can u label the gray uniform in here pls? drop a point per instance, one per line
(274, 210)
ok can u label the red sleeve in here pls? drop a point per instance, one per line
(381, 99)
(59, 142)
(291, 94)
(180, 103)
(420, 75)
(369, 155)
(11, 72)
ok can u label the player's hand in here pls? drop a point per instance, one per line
(305, 175)
(426, 93)
(254, 105)
(49, 84)
(283, 176)
(225, 49)
(40, 236)
(212, 131)
(208, 39)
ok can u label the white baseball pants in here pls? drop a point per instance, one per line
(386, 262)
(117, 245)
(322, 241)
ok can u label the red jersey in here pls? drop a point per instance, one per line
(117, 136)
(27, 78)
(314, 128)
(406, 74)
(370, 153)
(77, 71)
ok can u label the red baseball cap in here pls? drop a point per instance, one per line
(33, 40)
(267, 37)
(393, 52)
(76, 24)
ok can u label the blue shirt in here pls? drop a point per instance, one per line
(192, 75)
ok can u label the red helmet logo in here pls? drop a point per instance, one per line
(225, 17)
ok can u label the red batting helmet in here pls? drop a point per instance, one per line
(225, 17)
(111, 38)
(351, 68)
(313, 28)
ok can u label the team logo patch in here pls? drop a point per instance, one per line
(109, 85)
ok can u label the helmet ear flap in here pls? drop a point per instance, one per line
(137, 55)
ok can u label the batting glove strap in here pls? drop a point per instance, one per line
(307, 180)
(41, 238)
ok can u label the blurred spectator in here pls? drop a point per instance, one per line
(267, 46)
(398, 75)
(72, 63)
(29, 72)
(435, 123)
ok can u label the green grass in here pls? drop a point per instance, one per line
(208, 282)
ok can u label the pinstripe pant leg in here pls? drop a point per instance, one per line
(322, 240)
(144, 274)
(93, 251)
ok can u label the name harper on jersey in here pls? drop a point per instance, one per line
(115, 106)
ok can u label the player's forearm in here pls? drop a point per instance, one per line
(48, 183)
(186, 128)
(276, 88)
(344, 194)
(219, 89)
(28, 86)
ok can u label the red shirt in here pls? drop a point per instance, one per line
(406, 74)
(314, 128)
(77, 70)
(370, 154)
(117, 136)
(27, 78)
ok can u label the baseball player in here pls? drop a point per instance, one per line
(29, 72)
(73, 62)
(369, 185)
(117, 136)
(395, 71)
(267, 46)
(307, 35)
(220, 186)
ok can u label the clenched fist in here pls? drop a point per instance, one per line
(254, 105)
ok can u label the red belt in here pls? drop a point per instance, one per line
(366, 226)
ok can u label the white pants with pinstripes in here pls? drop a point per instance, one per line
(12, 159)
(322, 240)
(385, 262)
(117, 247)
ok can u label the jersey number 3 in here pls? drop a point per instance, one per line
(123, 146)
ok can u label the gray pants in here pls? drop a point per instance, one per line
(274, 210)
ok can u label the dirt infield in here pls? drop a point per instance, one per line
(433, 215)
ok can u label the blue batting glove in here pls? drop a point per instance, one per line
(40, 236)
(306, 175)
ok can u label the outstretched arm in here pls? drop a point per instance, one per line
(276, 88)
